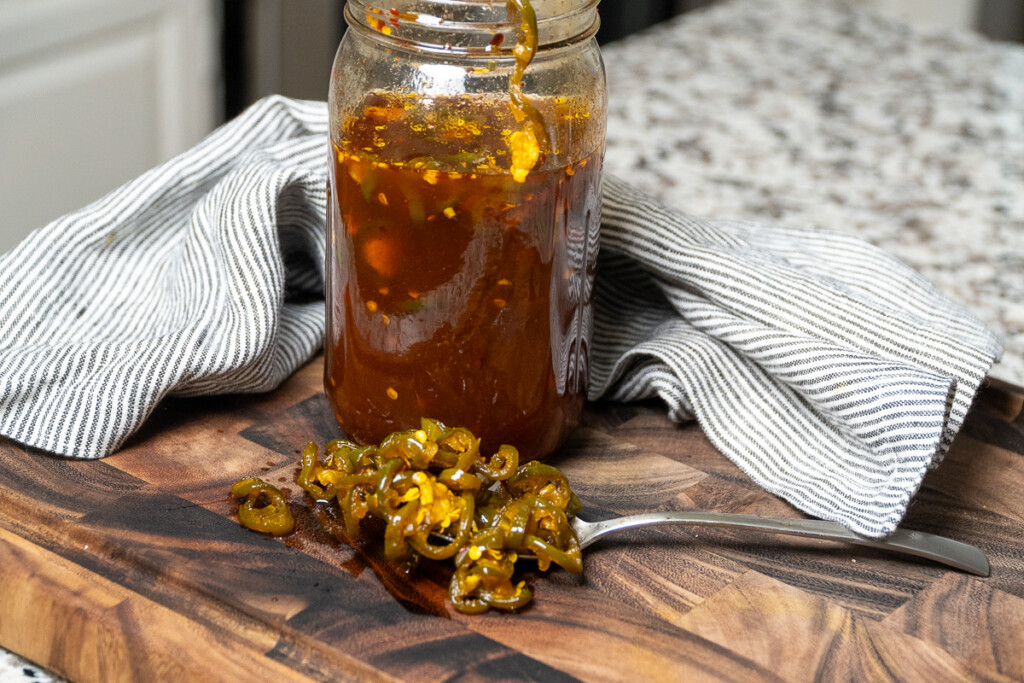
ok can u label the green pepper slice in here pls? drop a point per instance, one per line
(273, 517)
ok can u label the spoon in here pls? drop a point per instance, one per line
(929, 546)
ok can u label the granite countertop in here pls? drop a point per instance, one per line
(821, 115)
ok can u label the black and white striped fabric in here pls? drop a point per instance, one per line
(832, 374)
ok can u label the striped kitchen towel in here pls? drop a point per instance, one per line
(832, 374)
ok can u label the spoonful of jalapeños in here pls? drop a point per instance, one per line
(440, 499)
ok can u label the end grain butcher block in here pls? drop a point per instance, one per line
(134, 567)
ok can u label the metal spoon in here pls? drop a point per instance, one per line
(936, 548)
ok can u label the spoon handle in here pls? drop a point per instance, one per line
(937, 548)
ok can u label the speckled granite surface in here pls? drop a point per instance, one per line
(14, 668)
(817, 114)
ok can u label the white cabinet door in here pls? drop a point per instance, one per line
(94, 92)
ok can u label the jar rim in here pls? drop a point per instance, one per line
(414, 30)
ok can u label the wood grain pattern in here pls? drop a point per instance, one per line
(135, 566)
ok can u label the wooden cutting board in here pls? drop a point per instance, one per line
(134, 567)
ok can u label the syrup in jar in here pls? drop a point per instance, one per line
(462, 243)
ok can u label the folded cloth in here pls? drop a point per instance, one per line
(829, 372)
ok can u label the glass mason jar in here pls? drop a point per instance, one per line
(463, 213)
